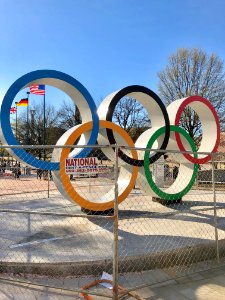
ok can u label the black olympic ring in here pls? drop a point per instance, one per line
(116, 98)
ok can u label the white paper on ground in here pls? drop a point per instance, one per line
(107, 277)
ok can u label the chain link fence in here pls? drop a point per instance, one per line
(103, 227)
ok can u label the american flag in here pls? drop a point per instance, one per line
(13, 110)
(37, 89)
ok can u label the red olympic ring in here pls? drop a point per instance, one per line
(211, 110)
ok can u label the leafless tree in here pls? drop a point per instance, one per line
(131, 116)
(68, 115)
(32, 133)
(193, 72)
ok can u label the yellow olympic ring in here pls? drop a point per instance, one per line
(65, 180)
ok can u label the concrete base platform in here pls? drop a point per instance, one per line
(108, 212)
(43, 233)
(164, 260)
(166, 202)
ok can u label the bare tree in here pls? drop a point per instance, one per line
(131, 116)
(32, 133)
(68, 115)
(193, 72)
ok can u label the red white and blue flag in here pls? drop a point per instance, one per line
(37, 89)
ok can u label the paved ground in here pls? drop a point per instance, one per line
(206, 285)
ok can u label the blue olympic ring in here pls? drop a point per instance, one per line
(25, 81)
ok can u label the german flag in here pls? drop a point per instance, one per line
(23, 102)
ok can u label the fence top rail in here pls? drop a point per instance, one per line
(170, 151)
(107, 146)
(55, 146)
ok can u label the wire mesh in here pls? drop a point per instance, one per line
(48, 238)
(166, 234)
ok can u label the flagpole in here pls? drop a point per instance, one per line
(16, 118)
(27, 137)
(28, 93)
(44, 124)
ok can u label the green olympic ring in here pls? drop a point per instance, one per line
(191, 178)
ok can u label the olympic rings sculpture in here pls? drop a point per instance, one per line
(97, 127)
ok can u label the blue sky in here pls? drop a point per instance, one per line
(104, 44)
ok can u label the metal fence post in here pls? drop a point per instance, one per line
(215, 211)
(115, 231)
(48, 183)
